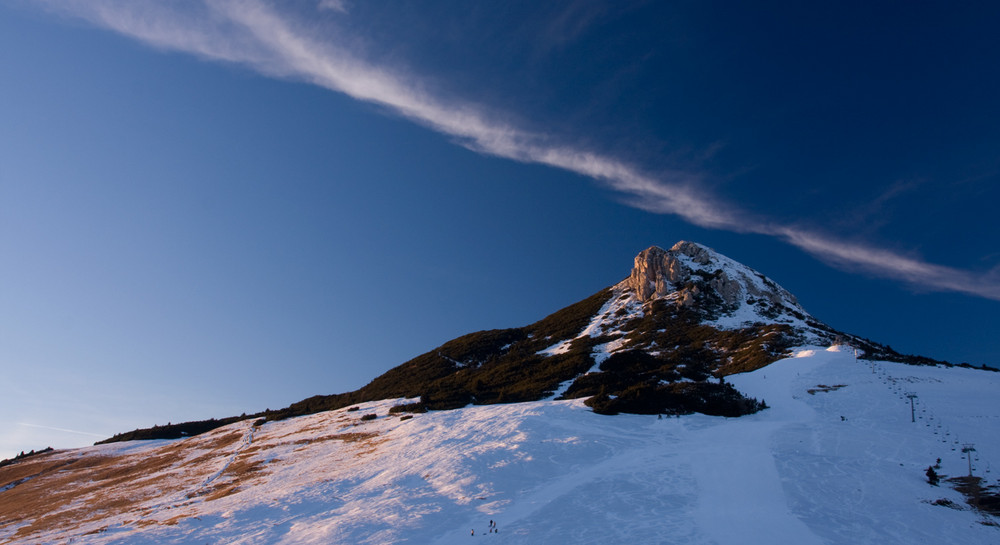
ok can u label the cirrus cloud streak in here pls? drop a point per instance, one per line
(288, 45)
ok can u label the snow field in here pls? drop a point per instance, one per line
(853, 467)
(554, 472)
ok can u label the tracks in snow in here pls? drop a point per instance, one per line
(244, 444)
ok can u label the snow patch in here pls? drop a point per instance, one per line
(621, 308)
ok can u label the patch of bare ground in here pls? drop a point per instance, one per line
(349, 437)
(66, 492)
(215, 441)
(245, 469)
(983, 498)
(63, 493)
(825, 388)
(80, 490)
(316, 427)
(239, 474)
(220, 492)
(172, 521)
(944, 502)
(240, 471)
(365, 442)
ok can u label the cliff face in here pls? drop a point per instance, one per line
(692, 275)
(656, 273)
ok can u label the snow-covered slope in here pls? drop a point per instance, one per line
(835, 459)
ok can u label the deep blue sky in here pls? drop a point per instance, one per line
(207, 209)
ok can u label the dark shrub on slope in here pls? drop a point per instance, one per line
(678, 398)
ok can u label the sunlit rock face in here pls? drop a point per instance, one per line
(656, 273)
(694, 275)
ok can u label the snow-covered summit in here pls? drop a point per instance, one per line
(727, 293)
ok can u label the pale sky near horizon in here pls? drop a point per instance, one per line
(209, 208)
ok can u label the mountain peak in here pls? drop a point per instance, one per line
(693, 275)
(657, 271)
(650, 344)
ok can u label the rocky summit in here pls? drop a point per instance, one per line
(696, 276)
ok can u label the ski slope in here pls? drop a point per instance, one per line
(838, 465)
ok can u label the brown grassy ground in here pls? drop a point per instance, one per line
(76, 492)
(64, 489)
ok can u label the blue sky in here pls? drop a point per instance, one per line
(215, 207)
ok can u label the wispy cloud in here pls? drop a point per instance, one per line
(253, 34)
(334, 5)
(63, 430)
(892, 265)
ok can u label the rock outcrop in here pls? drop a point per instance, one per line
(696, 276)
(655, 274)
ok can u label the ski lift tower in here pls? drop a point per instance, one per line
(913, 415)
(968, 449)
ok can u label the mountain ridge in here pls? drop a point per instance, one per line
(659, 341)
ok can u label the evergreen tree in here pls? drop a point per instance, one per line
(932, 476)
